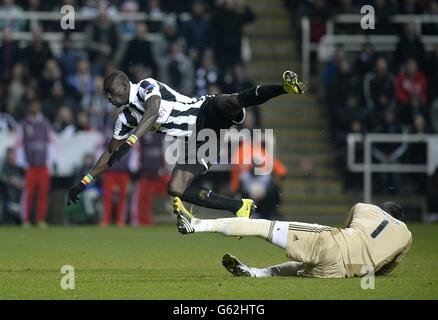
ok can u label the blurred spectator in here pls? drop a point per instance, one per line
(410, 46)
(178, 70)
(51, 74)
(206, 75)
(318, 12)
(161, 46)
(379, 91)
(103, 39)
(411, 91)
(11, 10)
(154, 177)
(36, 53)
(384, 10)
(344, 83)
(389, 153)
(431, 28)
(410, 7)
(94, 8)
(64, 122)
(115, 185)
(69, 57)
(139, 51)
(16, 89)
(229, 18)
(197, 32)
(263, 188)
(128, 28)
(83, 122)
(353, 181)
(11, 185)
(155, 12)
(352, 110)
(97, 106)
(54, 99)
(32, 24)
(365, 60)
(7, 122)
(332, 67)
(432, 72)
(36, 151)
(418, 152)
(8, 54)
(82, 82)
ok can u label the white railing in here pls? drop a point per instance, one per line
(76, 36)
(354, 42)
(367, 167)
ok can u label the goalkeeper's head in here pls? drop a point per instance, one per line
(394, 209)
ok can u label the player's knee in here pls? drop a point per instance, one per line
(175, 189)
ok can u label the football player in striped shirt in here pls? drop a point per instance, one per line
(373, 239)
(153, 106)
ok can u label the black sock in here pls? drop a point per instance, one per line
(259, 95)
(206, 198)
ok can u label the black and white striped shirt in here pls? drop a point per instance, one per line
(177, 113)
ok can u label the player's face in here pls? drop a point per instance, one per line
(118, 98)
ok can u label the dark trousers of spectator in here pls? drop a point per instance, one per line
(147, 189)
(115, 183)
(36, 179)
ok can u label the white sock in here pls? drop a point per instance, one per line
(261, 273)
(202, 225)
(279, 234)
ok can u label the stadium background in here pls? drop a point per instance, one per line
(201, 47)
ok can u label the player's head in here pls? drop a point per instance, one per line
(116, 87)
(394, 209)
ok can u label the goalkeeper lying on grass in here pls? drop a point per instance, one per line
(374, 238)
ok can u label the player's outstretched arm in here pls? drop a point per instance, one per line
(152, 106)
(99, 167)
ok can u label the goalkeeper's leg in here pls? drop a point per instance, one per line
(239, 269)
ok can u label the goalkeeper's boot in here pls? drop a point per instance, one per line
(236, 267)
(247, 209)
(292, 84)
(183, 217)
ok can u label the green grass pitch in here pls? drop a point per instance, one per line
(159, 263)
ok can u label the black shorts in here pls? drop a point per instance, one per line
(209, 117)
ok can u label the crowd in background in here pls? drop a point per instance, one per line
(379, 92)
(51, 88)
(196, 56)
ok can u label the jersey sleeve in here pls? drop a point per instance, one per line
(147, 89)
(121, 130)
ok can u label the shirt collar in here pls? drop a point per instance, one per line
(133, 88)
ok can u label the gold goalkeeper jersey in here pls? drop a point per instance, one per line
(374, 239)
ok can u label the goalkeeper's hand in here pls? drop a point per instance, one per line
(117, 155)
(74, 192)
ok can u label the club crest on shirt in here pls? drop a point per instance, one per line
(149, 88)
